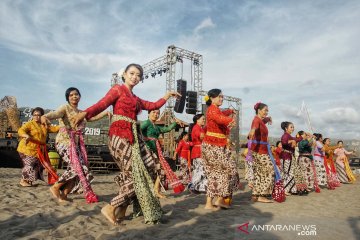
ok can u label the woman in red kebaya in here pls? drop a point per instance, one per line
(135, 161)
(263, 168)
(198, 177)
(183, 152)
(220, 168)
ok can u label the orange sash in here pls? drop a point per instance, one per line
(45, 161)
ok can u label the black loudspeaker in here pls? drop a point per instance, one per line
(191, 102)
(180, 101)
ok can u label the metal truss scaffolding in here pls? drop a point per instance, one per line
(167, 65)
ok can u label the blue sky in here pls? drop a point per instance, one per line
(278, 52)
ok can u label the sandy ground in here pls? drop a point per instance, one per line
(32, 213)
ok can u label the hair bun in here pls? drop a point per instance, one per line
(256, 106)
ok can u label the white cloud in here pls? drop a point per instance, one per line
(206, 23)
(344, 115)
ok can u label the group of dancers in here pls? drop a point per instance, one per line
(301, 164)
(206, 164)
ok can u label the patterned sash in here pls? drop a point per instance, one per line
(177, 186)
(76, 165)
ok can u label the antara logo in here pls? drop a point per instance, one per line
(244, 227)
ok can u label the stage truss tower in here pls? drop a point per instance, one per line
(167, 65)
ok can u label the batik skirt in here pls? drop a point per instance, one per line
(184, 171)
(306, 165)
(121, 151)
(264, 175)
(32, 170)
(340, 168)
(320, 171)
(249, 172)
(199, 179)
(221, 171)
(288, 175)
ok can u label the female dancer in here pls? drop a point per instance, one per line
(219, 166)
(294, 181)
(197, 133)
(342, 164)
(151, 133)
(332, 175)
(135, 161)
(183, 151)
(69, 144)
(319, 161)
(32, 150)
(263, 167)
(305, 160)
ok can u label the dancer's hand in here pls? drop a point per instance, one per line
(109, 114)
(179, 122)
(232, 124)
(27, 139)
(171, 94)
(45, 121)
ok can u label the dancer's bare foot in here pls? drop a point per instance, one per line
(264, 200)
(55, 191)
(288, 194)
(160, 195)
(25, 183)
(109, 212)
(119, 214)
(220, 203)
(254, 198)
(211, 207)
(250, 185)
(63, 197)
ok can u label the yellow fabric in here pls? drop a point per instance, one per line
(348, 171)
(37, 132)
(218, 135)
(329, 150)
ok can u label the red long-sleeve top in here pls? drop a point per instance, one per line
(217, 122)
(196, 132)
(183, 149)
(288, 150)
(124, 103)
(261, 135)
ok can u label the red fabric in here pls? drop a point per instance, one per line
(196, 131)
(278, 193)
(45, 161)
(330, 183)
(261, 134)
(286, 146)
(126, 104)
(183, 149)
(177, 186)
(278, 151)
(217, 122)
